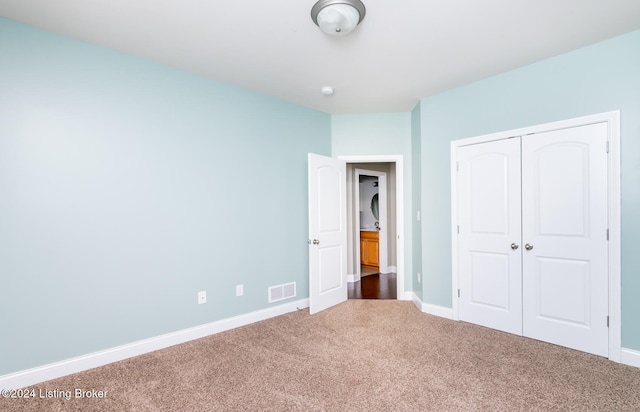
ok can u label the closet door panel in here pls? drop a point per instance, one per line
(564, 223)
(489, 223)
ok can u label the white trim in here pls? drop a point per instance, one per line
(436, 310)
(392, 269)
(352, 278)
(615, 230)
(454, 230)
(416, 301)
(55, 370)
(613, 121)
(540, 128)
(630, 357)
(398, 160)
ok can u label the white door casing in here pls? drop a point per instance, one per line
(399, 215)
(327, 232)
(564, 210)
(489, 235)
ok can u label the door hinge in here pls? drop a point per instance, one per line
(458, 292)
(458, 229)
(607, 146)
(457, 166)
(607, 234)
(607, 321)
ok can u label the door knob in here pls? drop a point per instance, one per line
(514, 246)
(528, 246)
(316, 242)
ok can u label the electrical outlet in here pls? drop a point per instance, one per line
(419, 278)
(239, 290)
(418, 215)
(202, 297)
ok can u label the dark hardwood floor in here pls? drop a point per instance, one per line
(376, 286)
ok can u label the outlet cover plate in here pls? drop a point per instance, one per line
(202, 297)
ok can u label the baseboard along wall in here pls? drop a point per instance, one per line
(627, 356)
(66, 367)
(630, 357)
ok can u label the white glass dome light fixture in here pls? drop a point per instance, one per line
(338, 17)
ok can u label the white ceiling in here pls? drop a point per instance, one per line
(402, 51)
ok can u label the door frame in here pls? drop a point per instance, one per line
(614, 222)
(327, 193)
(398, 160)
(383, 232)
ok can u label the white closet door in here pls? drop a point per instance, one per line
(564, 210)
(489, 224)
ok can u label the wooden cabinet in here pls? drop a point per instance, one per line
(369, 253)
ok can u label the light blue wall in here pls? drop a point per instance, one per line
(379, 134)
(127, 187)
(595, 79)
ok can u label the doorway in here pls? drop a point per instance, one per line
(371, 220)
(332, 231)
(373, 279)
(388, 281)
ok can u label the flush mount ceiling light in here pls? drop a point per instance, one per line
(337, 17)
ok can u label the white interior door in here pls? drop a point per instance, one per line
(327, 232)
(489, 258)
(565, 258)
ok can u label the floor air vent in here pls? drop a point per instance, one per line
(282, 292)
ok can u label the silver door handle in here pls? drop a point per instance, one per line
(528, 246)
(316, 242)
(514, 246)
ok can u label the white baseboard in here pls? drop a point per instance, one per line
(353, 278)
(435, 310)
(627, 356)
(416, 301)
(630, 357)
(55, 370)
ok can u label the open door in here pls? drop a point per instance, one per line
(327, 232)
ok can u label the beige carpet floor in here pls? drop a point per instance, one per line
(362, 355)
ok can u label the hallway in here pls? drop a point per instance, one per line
(374, 286)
